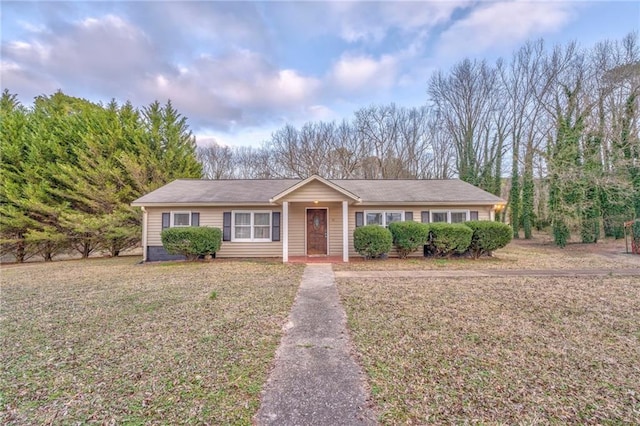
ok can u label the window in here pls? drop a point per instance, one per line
(383, 218)
(457, 217)
(242, 226)
(374, 218)
(439, 217)
(251, 226)
(180, 218)
(262, 226)
(391, 217)
(449, 216)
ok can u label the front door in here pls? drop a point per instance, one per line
(316, 232)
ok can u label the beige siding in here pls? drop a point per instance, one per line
(484, 213)
(315, 191)
(297, 230)
(212, 216)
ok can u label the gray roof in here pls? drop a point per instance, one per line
(258, 191)
(414, 191)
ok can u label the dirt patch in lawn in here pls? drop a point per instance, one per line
(515, 350)
(539, 253)
(110, 342)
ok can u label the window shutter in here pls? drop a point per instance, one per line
(226, 226)
(275, 226)
(424, 216)
(408, 216)
(195, 219)
(166, 220)
(473, 215)
(359, 219)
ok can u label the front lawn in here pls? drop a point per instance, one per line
(109, 342)
(516, 350)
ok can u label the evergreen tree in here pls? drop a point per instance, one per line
(70, 169)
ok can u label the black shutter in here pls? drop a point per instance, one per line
(359, 219)
(195, 219)
(473, 215)
(424, 216)
(226, 226)
(408, 216)
(275, 226)
(166, 220)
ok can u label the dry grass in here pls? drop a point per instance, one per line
(519, 254)
(111, 342)
(489, 350)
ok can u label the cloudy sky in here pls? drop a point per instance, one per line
(239, 70)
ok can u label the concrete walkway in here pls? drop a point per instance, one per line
(315, 380)
(462, 273)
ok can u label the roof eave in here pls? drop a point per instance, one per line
(203, 204)
(431, 203)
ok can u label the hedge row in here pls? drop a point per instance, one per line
(475, 238)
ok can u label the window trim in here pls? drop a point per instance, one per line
(448, 213)
(384, 216)
(252, 225)
(172, 220)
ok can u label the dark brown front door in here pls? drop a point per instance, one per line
(316, 231)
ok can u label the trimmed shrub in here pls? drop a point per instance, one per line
(446, 239)
(192, 241)
(408, 236)
(372, 241)
(488, 236)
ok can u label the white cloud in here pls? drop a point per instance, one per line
(503, 24)
(246, 137)
(29, 52)
(30, 27)
(108, 56)
(14, 76)
(321, 113)
(372, 22)
(95, 54)
(239, 88)
(355, 73)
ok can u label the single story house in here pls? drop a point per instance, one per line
(286, 218)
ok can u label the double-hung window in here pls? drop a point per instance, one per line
(180, 219)
(251, 226)
(458, 217)
(383, 218)
(439, 217)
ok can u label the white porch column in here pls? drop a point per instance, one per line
(492, 214)
(345, 231)
(144, 234)
(285, 231)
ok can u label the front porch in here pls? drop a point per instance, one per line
(315, 221)
(316, 259)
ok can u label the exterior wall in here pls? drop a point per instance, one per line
(297, 227)
(212, 216)
(484, 213)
